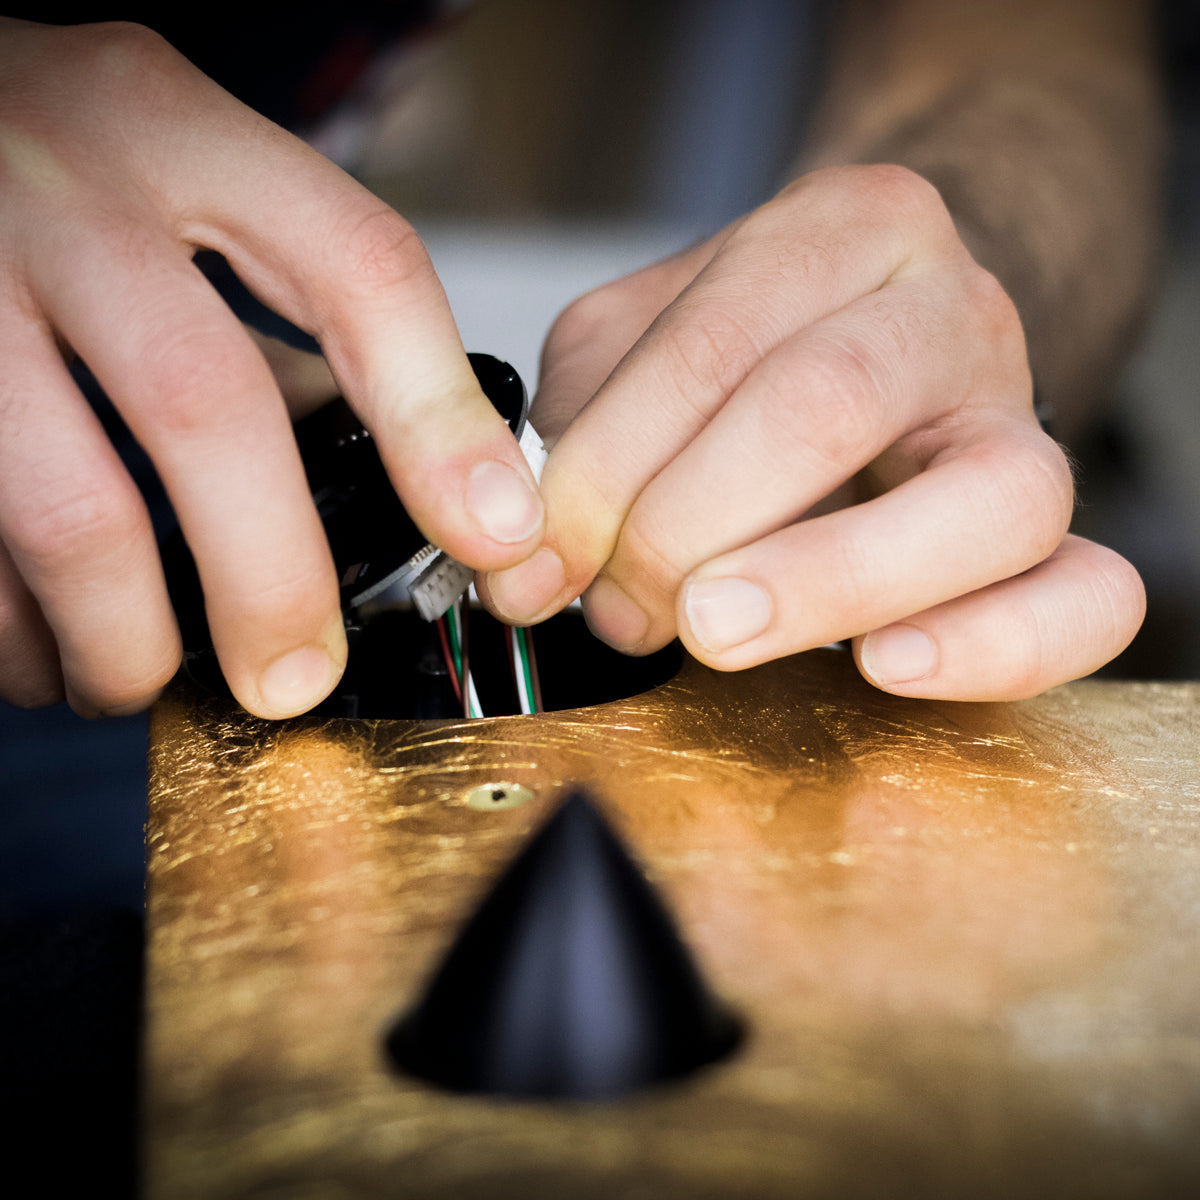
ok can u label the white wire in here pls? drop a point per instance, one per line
(474, 708)
(519, 662)
(454, 614)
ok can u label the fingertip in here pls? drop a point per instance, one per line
(93, 710)
(1054, 623)
(131, 708)
(97, 690)
(295, 682)
(1125, 588)
(38, 693)
(615, 617)
(528, 592)
(897, 655)
(724, 613)
(504, 503)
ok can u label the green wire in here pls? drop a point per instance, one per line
(455, 649)
(526, 673)
(453, 629)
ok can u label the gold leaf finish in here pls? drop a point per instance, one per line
(966, 941)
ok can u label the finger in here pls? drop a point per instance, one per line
(321, 250)
(584, 345)
(348, 269)
(984, 511)
(809, 417)
(591, 336)
(202, 402)
(792, 262)
(587, 341)
(79, 537)
(1058, 621)
(30, 676)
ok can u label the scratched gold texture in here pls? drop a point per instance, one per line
(965, 938)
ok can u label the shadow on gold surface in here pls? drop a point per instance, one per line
(961, 936)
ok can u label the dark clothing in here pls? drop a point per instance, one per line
(290, 62)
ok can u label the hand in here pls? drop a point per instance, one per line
(117, 160)
(818, 425)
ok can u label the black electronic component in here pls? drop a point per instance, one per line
(371, 535)
(373, 541)
(569, 982)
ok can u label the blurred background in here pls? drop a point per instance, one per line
(542, 148)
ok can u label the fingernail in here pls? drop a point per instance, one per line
(507, 508)
(520, 593)
(898, 654)
(297, 681)
(727, 612)
(613, 617)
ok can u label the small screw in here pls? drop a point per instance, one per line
(498, 795)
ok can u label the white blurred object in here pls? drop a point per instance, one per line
(507, 283)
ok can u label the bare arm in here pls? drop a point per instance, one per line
(819, 424)
(1040, 123)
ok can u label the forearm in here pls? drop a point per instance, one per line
(1040, 124)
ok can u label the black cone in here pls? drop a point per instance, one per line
(570, 981)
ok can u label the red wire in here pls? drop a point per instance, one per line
(441, 628)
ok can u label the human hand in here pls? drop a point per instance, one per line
(117, 161)
(818, 425)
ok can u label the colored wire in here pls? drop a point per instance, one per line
(516, 658)
(534, 677)
(456, 651)
(456, 621)
(474, 708)
(448, 654)
(524, 669)
(462, 614)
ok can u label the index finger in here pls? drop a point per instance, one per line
(347, 268)
(826, 242)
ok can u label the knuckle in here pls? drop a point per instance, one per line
(300, 603)
(643, 559)
(707, 351)
(808, 247)
(1052, 487)
(1034, 492)
(189, 374)
(124, 54)
(75, 525)
(378, 250)
(828, 410)
(896, 197)
(583, 321)
(900, 189)
(994, 310)
(1096, 618)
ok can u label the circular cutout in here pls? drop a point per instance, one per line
(398, 667)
